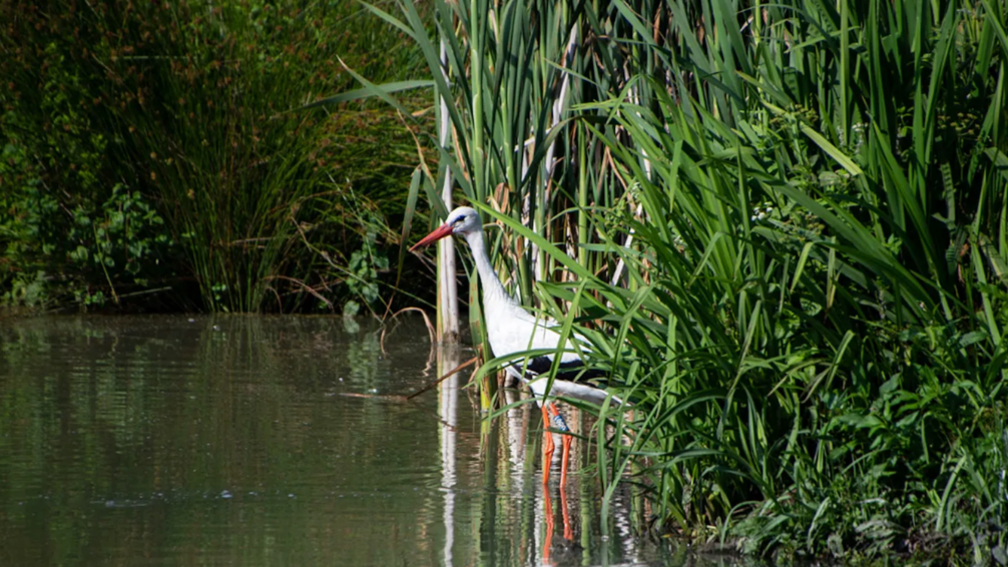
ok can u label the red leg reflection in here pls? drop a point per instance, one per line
(568, 530)
(548, 515)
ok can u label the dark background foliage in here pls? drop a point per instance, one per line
(159, 146)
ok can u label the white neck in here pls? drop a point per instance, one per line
(493, 289)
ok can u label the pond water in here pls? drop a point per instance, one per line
(278, 440)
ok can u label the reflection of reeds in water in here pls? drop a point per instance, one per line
(183, 428)
(229, 434)
(515, 429)
(550, 523)
(448, 357)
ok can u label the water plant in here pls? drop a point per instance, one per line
(782, 225)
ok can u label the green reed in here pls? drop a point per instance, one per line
(788, 221)
(817, 340)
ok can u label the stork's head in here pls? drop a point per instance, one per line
(462, 220)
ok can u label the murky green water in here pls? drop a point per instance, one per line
(246, 441)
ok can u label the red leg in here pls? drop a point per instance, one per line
(566, 456)
(547, 445)
(567, 439)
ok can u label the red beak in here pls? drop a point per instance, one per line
(439, 233)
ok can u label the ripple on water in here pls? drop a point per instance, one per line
(230, 440)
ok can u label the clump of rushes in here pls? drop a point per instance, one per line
(190, 109)
(791, 248)
(814, 325)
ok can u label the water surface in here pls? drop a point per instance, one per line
(276, 441)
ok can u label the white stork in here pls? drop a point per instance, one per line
(512, 330)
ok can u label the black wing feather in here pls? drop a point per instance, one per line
(570, 370)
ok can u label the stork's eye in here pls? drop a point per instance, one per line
(457, 221)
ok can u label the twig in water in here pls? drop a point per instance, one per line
(469, 362)
(144, 292)
(430, 327)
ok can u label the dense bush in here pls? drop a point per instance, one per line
(790, 227)
(814, 258)
(159, 145)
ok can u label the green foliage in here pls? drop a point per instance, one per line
(797, 250)
(52, 251)
(364, 266)
(71, 230)
(819, 309)
(193, 108)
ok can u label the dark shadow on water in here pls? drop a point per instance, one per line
(276, 440)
